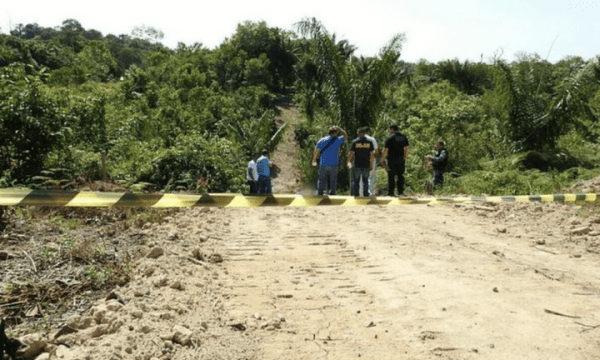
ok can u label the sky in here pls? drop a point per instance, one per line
(435, 30)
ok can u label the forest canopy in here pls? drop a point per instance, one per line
(189, 118)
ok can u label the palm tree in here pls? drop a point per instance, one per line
(537, 118)
(351, 87)
(255, 134)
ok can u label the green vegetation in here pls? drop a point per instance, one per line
(189, 118)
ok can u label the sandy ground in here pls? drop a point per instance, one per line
(413, 282)
(508, 281)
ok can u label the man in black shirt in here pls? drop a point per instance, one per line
(362, 152)
(395, 153)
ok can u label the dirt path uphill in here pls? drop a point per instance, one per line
(412, 282)
(287, 155)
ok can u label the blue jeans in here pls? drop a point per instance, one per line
(264, 184)
(324, 173)
(359, 174)
(372, 180)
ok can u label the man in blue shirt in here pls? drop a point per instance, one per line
(327, 152)
(263, 167)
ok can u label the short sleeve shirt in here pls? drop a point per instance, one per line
(252, 174)
(331, 155)
(395, 144)
(262, 166)
(372, 140)
(362, 148)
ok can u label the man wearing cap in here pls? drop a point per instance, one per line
(395, 153)
(327, 152)
(263, 167)
(362, 152)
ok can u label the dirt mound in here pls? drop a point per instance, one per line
(170, 306)
(586, 186)
(563, 227)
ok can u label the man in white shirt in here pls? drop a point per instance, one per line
(252, 176)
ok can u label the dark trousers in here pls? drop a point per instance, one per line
(357, 175)
(396, 170)
(264, 184)
(438, 178)
(253, 186)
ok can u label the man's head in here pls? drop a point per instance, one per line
(265, 152)
(439, 145)
(362, 131)
(367, 130)
(393, 128)
(333, 130)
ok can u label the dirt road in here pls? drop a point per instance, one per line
(483, 281)
(412, 282)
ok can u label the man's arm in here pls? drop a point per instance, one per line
(315, 155)
(372, 160)
(342, 131)
(349, 158)
(406, 152)
(384, 156)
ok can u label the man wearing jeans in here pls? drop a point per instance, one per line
(327, 152)
(263, 167)
(362, 151)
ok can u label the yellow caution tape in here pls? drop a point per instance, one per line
(26, 197)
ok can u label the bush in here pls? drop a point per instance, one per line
(199, 164)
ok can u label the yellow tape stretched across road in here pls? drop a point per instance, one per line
(26, 197)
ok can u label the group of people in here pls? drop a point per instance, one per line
(258, 174)
(360, 159)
